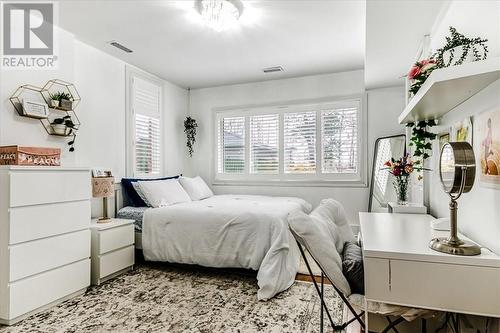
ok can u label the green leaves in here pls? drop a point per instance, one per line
(422, 138)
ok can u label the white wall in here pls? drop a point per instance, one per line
(100, 80)
(383, 106)
(479, 210)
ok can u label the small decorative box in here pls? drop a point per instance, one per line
(39, 156)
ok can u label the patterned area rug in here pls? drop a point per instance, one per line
(164, 298)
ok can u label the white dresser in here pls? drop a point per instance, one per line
(400, 268)
(44, 238)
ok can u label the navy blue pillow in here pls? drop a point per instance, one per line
(130, 192)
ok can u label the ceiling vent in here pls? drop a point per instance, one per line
(273, 69)
(120, 46)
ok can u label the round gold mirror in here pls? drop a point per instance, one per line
(457, 161)
(457, 169)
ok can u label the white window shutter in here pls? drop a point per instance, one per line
(146, 101)
(339, 140)
(231, 145)
(264, 144)
(299, 142)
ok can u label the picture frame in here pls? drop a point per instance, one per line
(462, 131)
(443, 138)
(35, 109)
(488, 131)
(98, 173)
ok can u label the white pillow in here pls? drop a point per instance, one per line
(163, 192)
(333, 211)
(196, 188)
(138, 190)
(314, 232)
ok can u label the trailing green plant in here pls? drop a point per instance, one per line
(422, 137)
(68, 122)
(190, 126)
(469, 44)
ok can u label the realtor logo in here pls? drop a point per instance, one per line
(28, 35)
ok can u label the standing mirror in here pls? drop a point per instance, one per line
(381, 189)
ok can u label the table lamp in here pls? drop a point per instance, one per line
(457, 169)
(103, 187)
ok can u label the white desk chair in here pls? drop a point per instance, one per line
(357, 301)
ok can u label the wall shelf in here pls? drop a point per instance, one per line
(446, 88)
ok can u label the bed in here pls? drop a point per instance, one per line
(242, 231)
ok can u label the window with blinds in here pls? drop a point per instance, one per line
(298, 142)
(264, 149)
(231, 145)
(339, 140)
(299, 135)
(146, 106)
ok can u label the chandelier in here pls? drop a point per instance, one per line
(219, 14)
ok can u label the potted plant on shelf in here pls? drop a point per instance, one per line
(460, 49)
(66, 102)
(66, 127)
(55, 99)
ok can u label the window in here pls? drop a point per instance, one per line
(310, 142)
(145, 100)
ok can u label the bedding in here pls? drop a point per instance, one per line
(243, 231)
(165, 192)
(130, 193)
(196, 188)
(133, 213)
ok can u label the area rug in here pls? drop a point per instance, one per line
(164, 298)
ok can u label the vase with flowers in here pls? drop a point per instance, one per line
(401, 169)
(419, 72)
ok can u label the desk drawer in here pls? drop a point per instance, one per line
(114, 261)
(48, 253)
(29, 294)
(41, 187)
(34, 222)
(458, 288)
(115, 238)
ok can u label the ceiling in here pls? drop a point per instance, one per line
(305, 37)
(394, 32)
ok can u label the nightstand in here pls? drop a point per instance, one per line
(112, 249)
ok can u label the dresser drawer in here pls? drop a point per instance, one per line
(41, 187)
(115, 238)
(33, 222)
(457, 288)
(112, 262)
(31, 293)
(38, 256)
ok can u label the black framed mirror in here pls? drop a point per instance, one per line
(381, 189)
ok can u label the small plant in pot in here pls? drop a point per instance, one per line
(62, 100)
(460, 49)
(55, 99)
(66, 127)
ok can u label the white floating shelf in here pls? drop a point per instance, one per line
(449, 87)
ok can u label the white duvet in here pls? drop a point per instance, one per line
(243, 231)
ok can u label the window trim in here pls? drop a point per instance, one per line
(315, 180)
(130, 74)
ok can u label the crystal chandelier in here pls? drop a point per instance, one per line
(219, 14)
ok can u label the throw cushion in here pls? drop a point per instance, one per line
(137, 188)
(352, 267)
(164, 192)
(333, 210)
(129, 191)
(196, 188)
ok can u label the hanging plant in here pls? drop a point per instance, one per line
(65, 126)
(190, 126)
(459, 49)
(421, 139)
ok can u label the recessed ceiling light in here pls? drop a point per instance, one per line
(219, 14)
(120, 46)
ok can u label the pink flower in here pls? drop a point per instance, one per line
(396, 172)
(428, 66)
(414, 71)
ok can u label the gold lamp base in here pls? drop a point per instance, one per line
(103, 220)
(460, 247)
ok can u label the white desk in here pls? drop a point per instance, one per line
(400, 268)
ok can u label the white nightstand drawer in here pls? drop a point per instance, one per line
(34, 222)
(115, 261)
(41, 187)
(34, 257)
(115, 238)
(31, 293)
